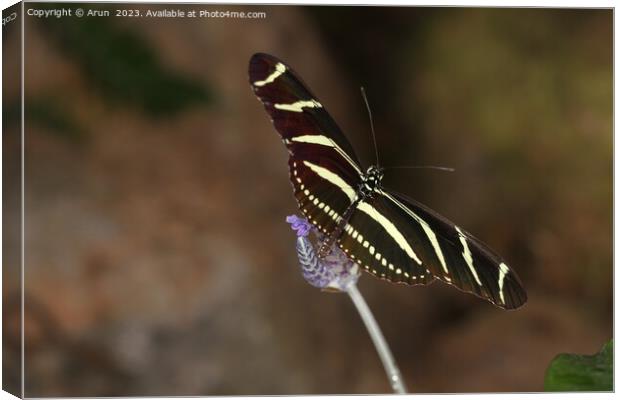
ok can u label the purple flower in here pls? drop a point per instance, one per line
(333, 273)
(299, 225)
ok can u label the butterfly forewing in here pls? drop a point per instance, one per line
(294, 110)
(323, 168)
(451, 254)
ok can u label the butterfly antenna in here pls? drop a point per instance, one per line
(372, 127)
(448, 169)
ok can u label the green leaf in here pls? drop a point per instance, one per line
(48, 113)
(575, 372)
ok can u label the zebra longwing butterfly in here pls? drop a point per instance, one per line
(388, 235)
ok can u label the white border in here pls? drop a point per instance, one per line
(455, 3)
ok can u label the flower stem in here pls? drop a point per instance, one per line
(391, 369)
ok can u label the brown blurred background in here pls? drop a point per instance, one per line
(158, 261)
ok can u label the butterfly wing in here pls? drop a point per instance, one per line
(324, 169)
(391, 237)
(448, 252)
(373, 240)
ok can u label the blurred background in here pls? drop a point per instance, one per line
(158, 260)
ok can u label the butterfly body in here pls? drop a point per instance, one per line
(388, 235)
(369, 185)
(371, 181)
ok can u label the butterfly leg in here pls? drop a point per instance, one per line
(326, 246)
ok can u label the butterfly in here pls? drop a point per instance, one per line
(389, 235)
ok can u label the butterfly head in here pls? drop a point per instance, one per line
(371, 180)
(374, 173)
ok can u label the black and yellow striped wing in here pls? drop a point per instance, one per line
(445, 251)
(389, 236)
(321, 160)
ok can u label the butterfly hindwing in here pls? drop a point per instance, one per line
(374, 242)
(322, 203)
